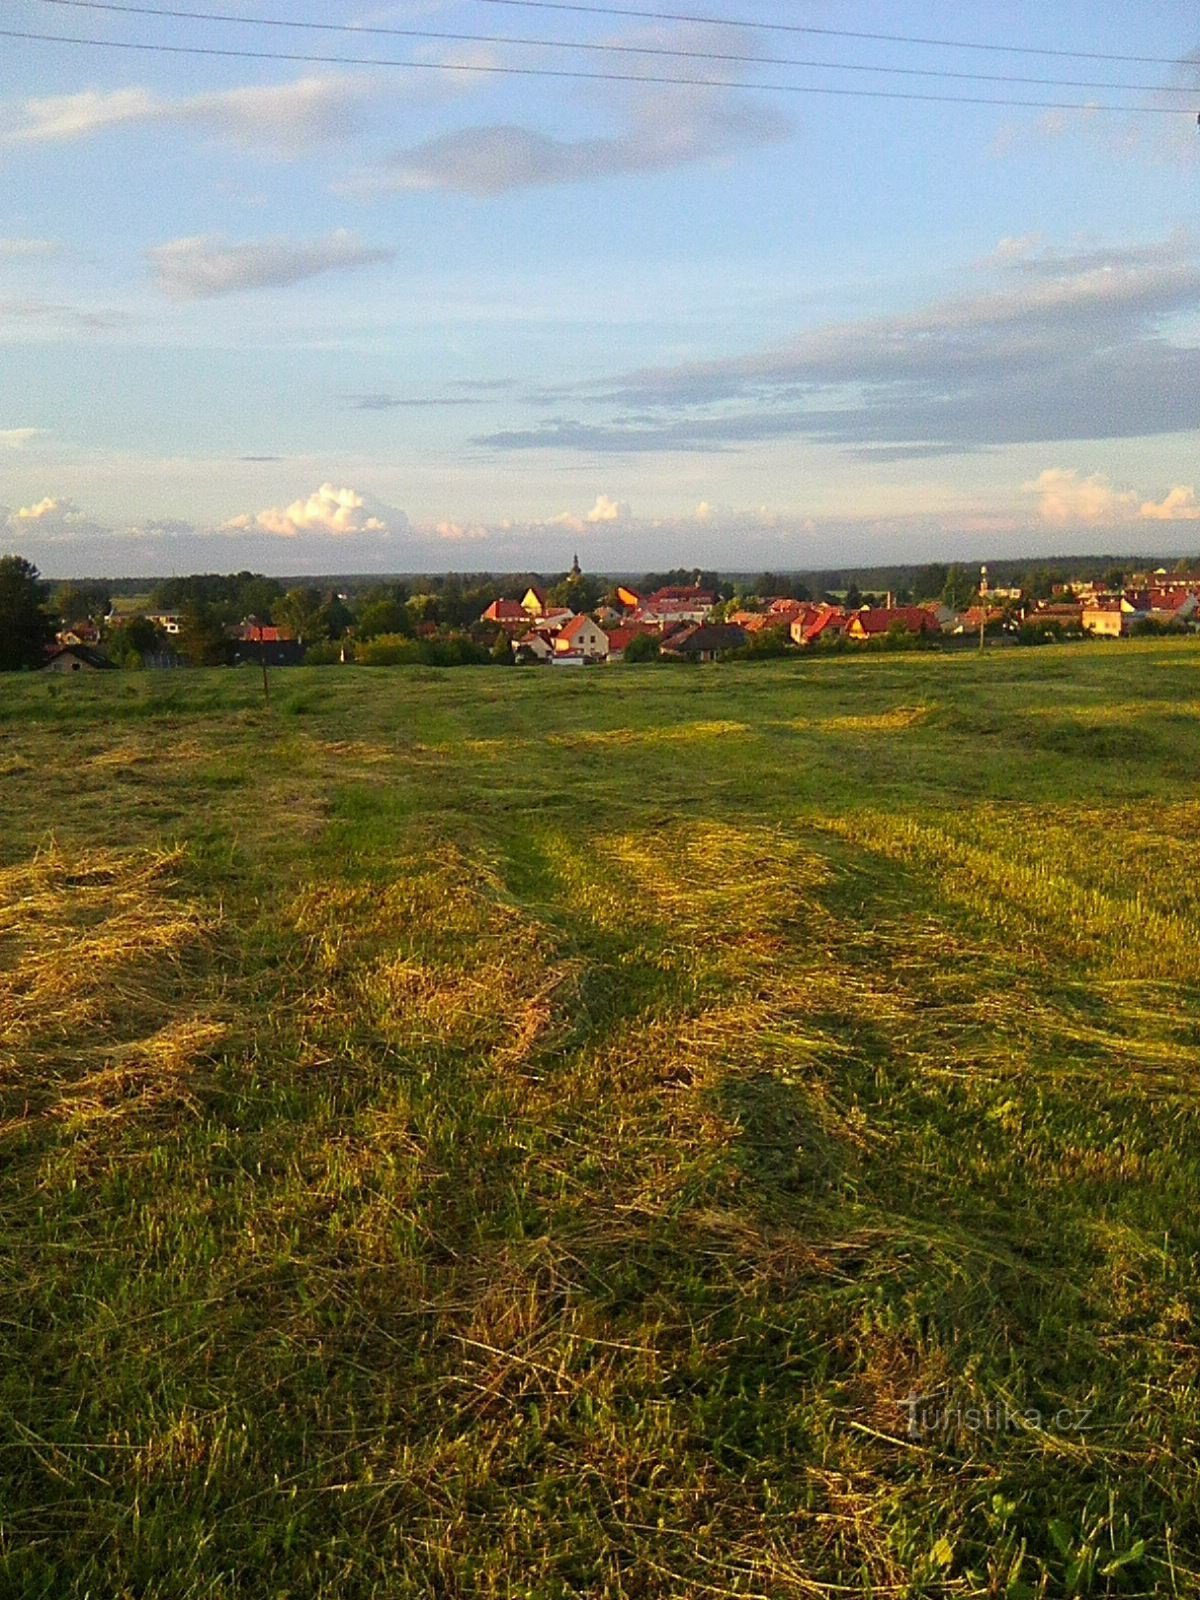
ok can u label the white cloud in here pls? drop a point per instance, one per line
(26, 249)
(49, 507)
(607, 510)
(1180, 505)
(18, 438)
(1066, 499)
(282, 118)
(328, 510)
(53, 519)
(460, 532)
(203, 266)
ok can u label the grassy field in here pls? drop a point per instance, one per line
(643, 1132)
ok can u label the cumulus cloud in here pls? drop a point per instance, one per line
(1066, 499)
(327, 511)
(203, 266)
(49, 507)
(283, 118)
(52, 519)
(18, 438)
(460, 532)
(604, 510)
(607, 509)
(1180, 505)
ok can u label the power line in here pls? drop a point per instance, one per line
(828, 33)
(305, 58)
(445, 36)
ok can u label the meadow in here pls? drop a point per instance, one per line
(642, 1132)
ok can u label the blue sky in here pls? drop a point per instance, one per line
(304, 316)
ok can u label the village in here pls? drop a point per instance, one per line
(703, 620)
(691, 622)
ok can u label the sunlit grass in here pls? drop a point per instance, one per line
(501, 1134)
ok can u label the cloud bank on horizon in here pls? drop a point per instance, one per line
(251, 307)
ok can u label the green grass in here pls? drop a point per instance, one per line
(508, 1134)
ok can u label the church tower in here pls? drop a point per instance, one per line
(575, 569)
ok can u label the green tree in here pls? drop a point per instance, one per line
(502, 650)
(202, 636)
(25, 629)
(958, 591)
(387, 615)
(128, 646)
(642, 647)
(75, 601)
(256, 597)
(301, 613)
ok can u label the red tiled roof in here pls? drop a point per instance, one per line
(504, 611)
(879, 619)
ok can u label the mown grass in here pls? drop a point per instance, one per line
(501, 1134)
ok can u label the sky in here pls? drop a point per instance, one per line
(512, 290)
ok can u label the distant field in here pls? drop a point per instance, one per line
(639, 1132)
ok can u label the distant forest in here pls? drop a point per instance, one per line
(917, 580)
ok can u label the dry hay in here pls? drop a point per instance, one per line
(98, 1007)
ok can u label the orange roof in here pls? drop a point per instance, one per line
(576, 627)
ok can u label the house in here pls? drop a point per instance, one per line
(533, 647)
(507, 614)
(555, 617)
(619, 637)
(1106, 619)
(876, 622)
(629, 598)
(275, 652)
(1172, 604)
(702, 642)
(68, 658)
(535, 602)
(975, 617)
(166, 621)
(581, 635)
(816, 621)
(84, 632)
(678, 603)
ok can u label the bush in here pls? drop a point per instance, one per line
(389, 650)
(642, 647)
(325, 653)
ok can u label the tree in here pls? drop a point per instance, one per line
(74, 601)
(388, 615)
(300, 612)
(502, 650)
(958, 590)
(256, 597)
(202, 636)
(642, 647)
(128, 646)
(25, 629)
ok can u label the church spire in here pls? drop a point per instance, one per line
(575, 568)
